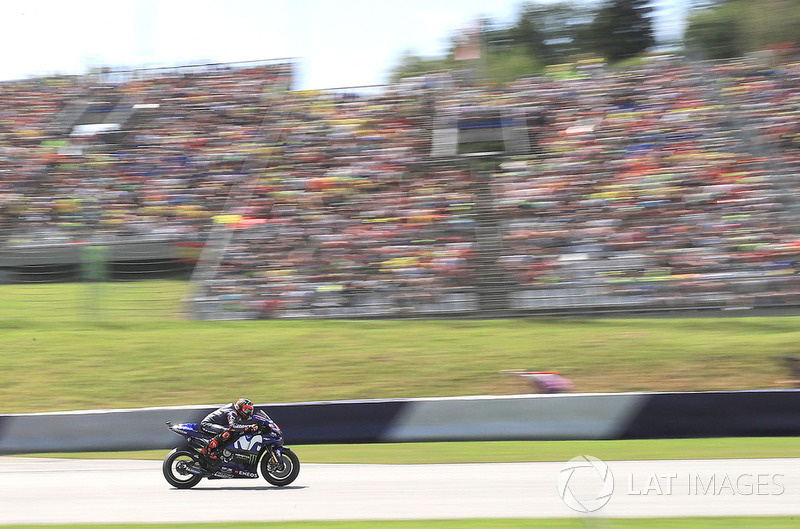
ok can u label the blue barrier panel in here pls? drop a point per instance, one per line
(767, 413)
(336, 422)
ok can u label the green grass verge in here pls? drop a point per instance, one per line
(518, 451)
(549, 523)
(521, 451)
(83, 346)
(92, 302)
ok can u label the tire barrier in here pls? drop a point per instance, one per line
(487, 418)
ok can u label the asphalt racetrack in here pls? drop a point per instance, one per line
(40, 491)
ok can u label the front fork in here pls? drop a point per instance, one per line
(275, 453)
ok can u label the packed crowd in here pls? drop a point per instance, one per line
(659, 187)
(664, 185)
(354, 216)
(667, 185)
(27, 109)
(186, 138)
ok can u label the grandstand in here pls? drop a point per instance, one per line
(669, 186)
(138, 162)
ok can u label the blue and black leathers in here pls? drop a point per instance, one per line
(221, 424)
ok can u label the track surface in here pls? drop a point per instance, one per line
(38, 491)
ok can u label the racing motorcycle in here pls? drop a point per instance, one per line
(262, 450)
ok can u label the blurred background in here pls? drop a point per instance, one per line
(538, 158)
(309, 200)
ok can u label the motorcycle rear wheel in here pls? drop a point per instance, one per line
(283, 474)
(174, 469)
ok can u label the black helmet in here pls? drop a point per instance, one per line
(244, 407)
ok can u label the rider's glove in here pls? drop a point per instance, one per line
(251, 428)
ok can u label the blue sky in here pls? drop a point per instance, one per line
(336, 42)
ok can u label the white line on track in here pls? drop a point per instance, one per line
(40, 491)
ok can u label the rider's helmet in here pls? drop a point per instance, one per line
(244, 408)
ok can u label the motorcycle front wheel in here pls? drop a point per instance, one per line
(176, 466)
(284, 471)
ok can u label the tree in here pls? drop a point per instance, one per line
(713, 33)
(411, 65)
(622, 29)
(732, 28)
(552, 33)
(500, 56)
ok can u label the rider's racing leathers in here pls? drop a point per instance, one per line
(222, 423)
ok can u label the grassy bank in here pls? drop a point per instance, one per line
(153, 356)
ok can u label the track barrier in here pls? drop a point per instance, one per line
(757, 413)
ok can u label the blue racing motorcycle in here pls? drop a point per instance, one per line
(262, 450)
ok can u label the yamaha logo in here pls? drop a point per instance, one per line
(247, 442)
(585, 484)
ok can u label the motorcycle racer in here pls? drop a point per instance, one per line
(262, 455)
(224, 422)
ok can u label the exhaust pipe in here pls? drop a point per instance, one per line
(195, 471)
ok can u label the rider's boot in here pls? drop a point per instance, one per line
(215, 445)
(210, 450)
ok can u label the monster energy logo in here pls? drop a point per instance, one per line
(248, 459)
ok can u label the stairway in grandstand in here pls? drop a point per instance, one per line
(493, 284)
(205, 307)
(102, 112)
(481, 139)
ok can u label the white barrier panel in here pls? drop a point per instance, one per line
(596, 416)
(99, 430)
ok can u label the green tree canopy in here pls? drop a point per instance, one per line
(732, 28)
(549, 33)
(622, 29)
(552, 33)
